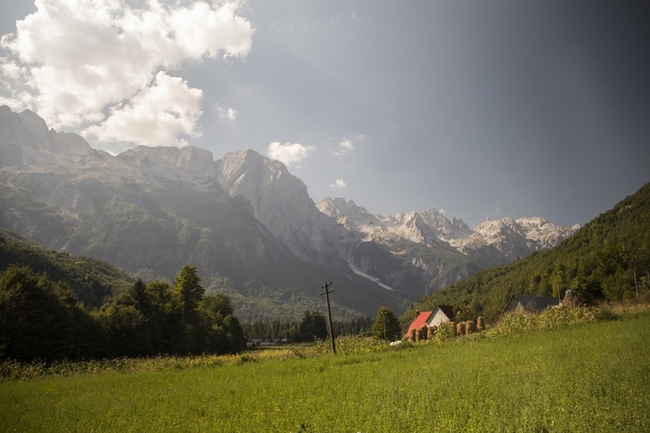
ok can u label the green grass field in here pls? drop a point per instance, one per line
(592, 377)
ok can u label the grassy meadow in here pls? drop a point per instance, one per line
(590, 377)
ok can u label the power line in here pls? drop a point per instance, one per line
(329, 312)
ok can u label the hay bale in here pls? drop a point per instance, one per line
(431, 331)
(480, 324)
(470, 327)
(422, 332)
(571, 299)
(412, 335)
(460, 328)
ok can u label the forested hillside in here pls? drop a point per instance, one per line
(91, 280)
(607, 260)
(42, 319)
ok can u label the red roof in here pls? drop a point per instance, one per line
(420, 320)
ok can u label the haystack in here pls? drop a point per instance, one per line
(470, 327)
(571, 299)
(480, 324)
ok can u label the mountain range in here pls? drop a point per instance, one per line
(608, 260)
(244, 220)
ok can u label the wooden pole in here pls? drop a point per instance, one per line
(329, 313)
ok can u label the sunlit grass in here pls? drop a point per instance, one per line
(587, 377)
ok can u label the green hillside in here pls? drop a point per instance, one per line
(91, 280)
(607, 260)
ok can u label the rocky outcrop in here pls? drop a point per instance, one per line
(25, 139)
(281, 202)
(187, 161)
(491, 243)
(515, 238)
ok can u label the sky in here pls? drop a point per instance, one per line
(479, 109)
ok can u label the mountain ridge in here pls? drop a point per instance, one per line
(149, 209)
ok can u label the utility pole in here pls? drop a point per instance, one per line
(329, 312)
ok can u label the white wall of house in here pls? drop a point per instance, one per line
(437, 317)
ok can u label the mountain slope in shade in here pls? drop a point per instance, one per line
(91, 280)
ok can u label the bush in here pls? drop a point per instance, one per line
(446, 331)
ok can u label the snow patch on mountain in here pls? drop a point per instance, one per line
(370, 277)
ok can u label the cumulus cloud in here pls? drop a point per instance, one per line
(289, 153)
(155, 116)
(101, 67)
(227, 114)
(338, 183)
(347, 144)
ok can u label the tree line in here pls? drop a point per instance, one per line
(40, 319)
(312, 326)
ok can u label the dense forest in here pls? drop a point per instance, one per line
(607, 260)
(54, 305)
(92, 281)
(313, 325)
(40, 319)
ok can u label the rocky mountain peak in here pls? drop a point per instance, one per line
(190, 159)
(243, 169)
(280, 201)
(428, 227)
(517, 238)
(25, 139)
(445, 229)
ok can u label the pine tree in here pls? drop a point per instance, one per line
(187, 286)
(386, 326)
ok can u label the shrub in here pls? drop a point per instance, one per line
(446, 331)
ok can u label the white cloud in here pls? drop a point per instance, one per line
(227, 114)
(156, 116)
(88, 66)
(339, 183)
(347, 144)
(289, 153)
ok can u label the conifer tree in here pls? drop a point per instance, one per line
(188, 287)
(386, 326)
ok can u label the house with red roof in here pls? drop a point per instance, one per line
(420, 320)
(440, 314)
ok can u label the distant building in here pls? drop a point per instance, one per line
(420, 320)
(440, 314)
(529, 304)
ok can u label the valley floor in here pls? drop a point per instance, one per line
(588, 377)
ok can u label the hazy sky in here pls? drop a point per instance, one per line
(478, 108)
